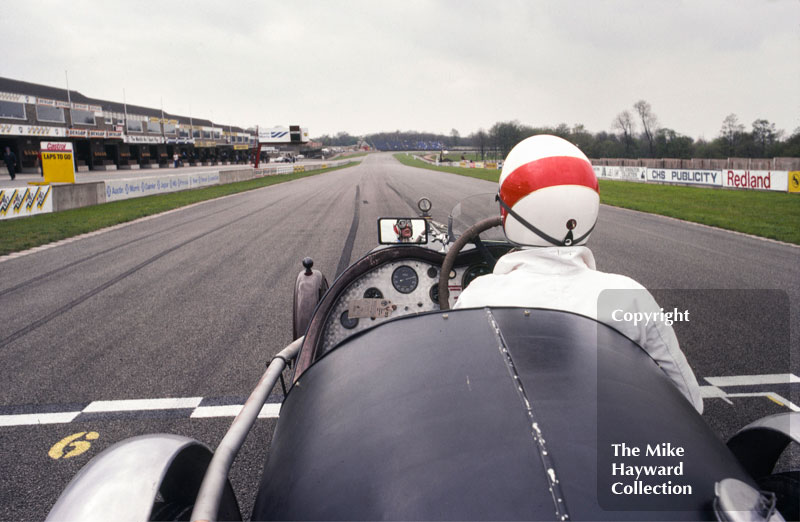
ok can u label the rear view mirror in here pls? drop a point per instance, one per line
(396, 231)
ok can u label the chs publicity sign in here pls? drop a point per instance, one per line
(683, 176)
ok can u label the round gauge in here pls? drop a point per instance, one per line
(452, 274)
(434, 293)
(373, 293)
(473, 272)
(433, 273)
(424, 204)
(347, 322)
(404, 279)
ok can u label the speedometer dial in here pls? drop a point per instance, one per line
(405, 279)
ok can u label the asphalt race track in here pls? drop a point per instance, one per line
(181, 312)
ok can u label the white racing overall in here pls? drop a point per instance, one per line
(565, 278)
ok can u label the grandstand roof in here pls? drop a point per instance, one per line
(44, 91)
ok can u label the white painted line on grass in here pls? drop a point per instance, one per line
(142, 404)
(38, 418)
(753, 380)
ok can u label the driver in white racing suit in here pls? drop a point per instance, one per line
(549, 203)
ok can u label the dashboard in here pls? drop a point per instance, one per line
(387, 283)
(390, 290)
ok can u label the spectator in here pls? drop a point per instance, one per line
(11, 162)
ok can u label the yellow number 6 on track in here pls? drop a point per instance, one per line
(77, 446)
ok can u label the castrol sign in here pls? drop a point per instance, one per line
(56, 146)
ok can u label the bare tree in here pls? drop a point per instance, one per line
(483, 140)
(455, 136)
(505, 135)
(624, 124)
(731, 132)
(649, 123)
(764, 134)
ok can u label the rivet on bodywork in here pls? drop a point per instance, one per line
(527, 313)
(445, 316)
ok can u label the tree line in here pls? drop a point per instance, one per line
(634, 133)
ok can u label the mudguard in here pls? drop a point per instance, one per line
(141, 478)
(759, 444)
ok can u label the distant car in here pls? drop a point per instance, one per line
(279, 159)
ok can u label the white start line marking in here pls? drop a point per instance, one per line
(201, 408)
(715, 391)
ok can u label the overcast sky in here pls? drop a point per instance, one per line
(370, 66)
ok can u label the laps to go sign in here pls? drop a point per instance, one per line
(57, 162)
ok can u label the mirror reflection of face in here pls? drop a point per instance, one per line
(402, 230)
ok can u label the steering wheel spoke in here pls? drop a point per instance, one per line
(487, 255)
(469, 236)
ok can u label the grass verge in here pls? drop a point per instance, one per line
(473, 156)
(350, 156)
(484, 174)
(24, 233)
(774, 215)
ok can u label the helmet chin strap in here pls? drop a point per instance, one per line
(568, 239)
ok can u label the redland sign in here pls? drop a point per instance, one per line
(748, 180)
(755, 179)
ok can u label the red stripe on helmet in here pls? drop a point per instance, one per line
(546, 172)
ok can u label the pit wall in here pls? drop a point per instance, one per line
(28, 201)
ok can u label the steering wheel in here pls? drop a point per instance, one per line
(449, 260)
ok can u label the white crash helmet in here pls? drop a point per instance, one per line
(548, 193)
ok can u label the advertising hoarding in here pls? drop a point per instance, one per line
(777, 180)
(686, 176)
(25, 201)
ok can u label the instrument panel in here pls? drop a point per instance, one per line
(394, 289)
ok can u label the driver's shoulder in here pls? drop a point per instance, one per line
(613, 281)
